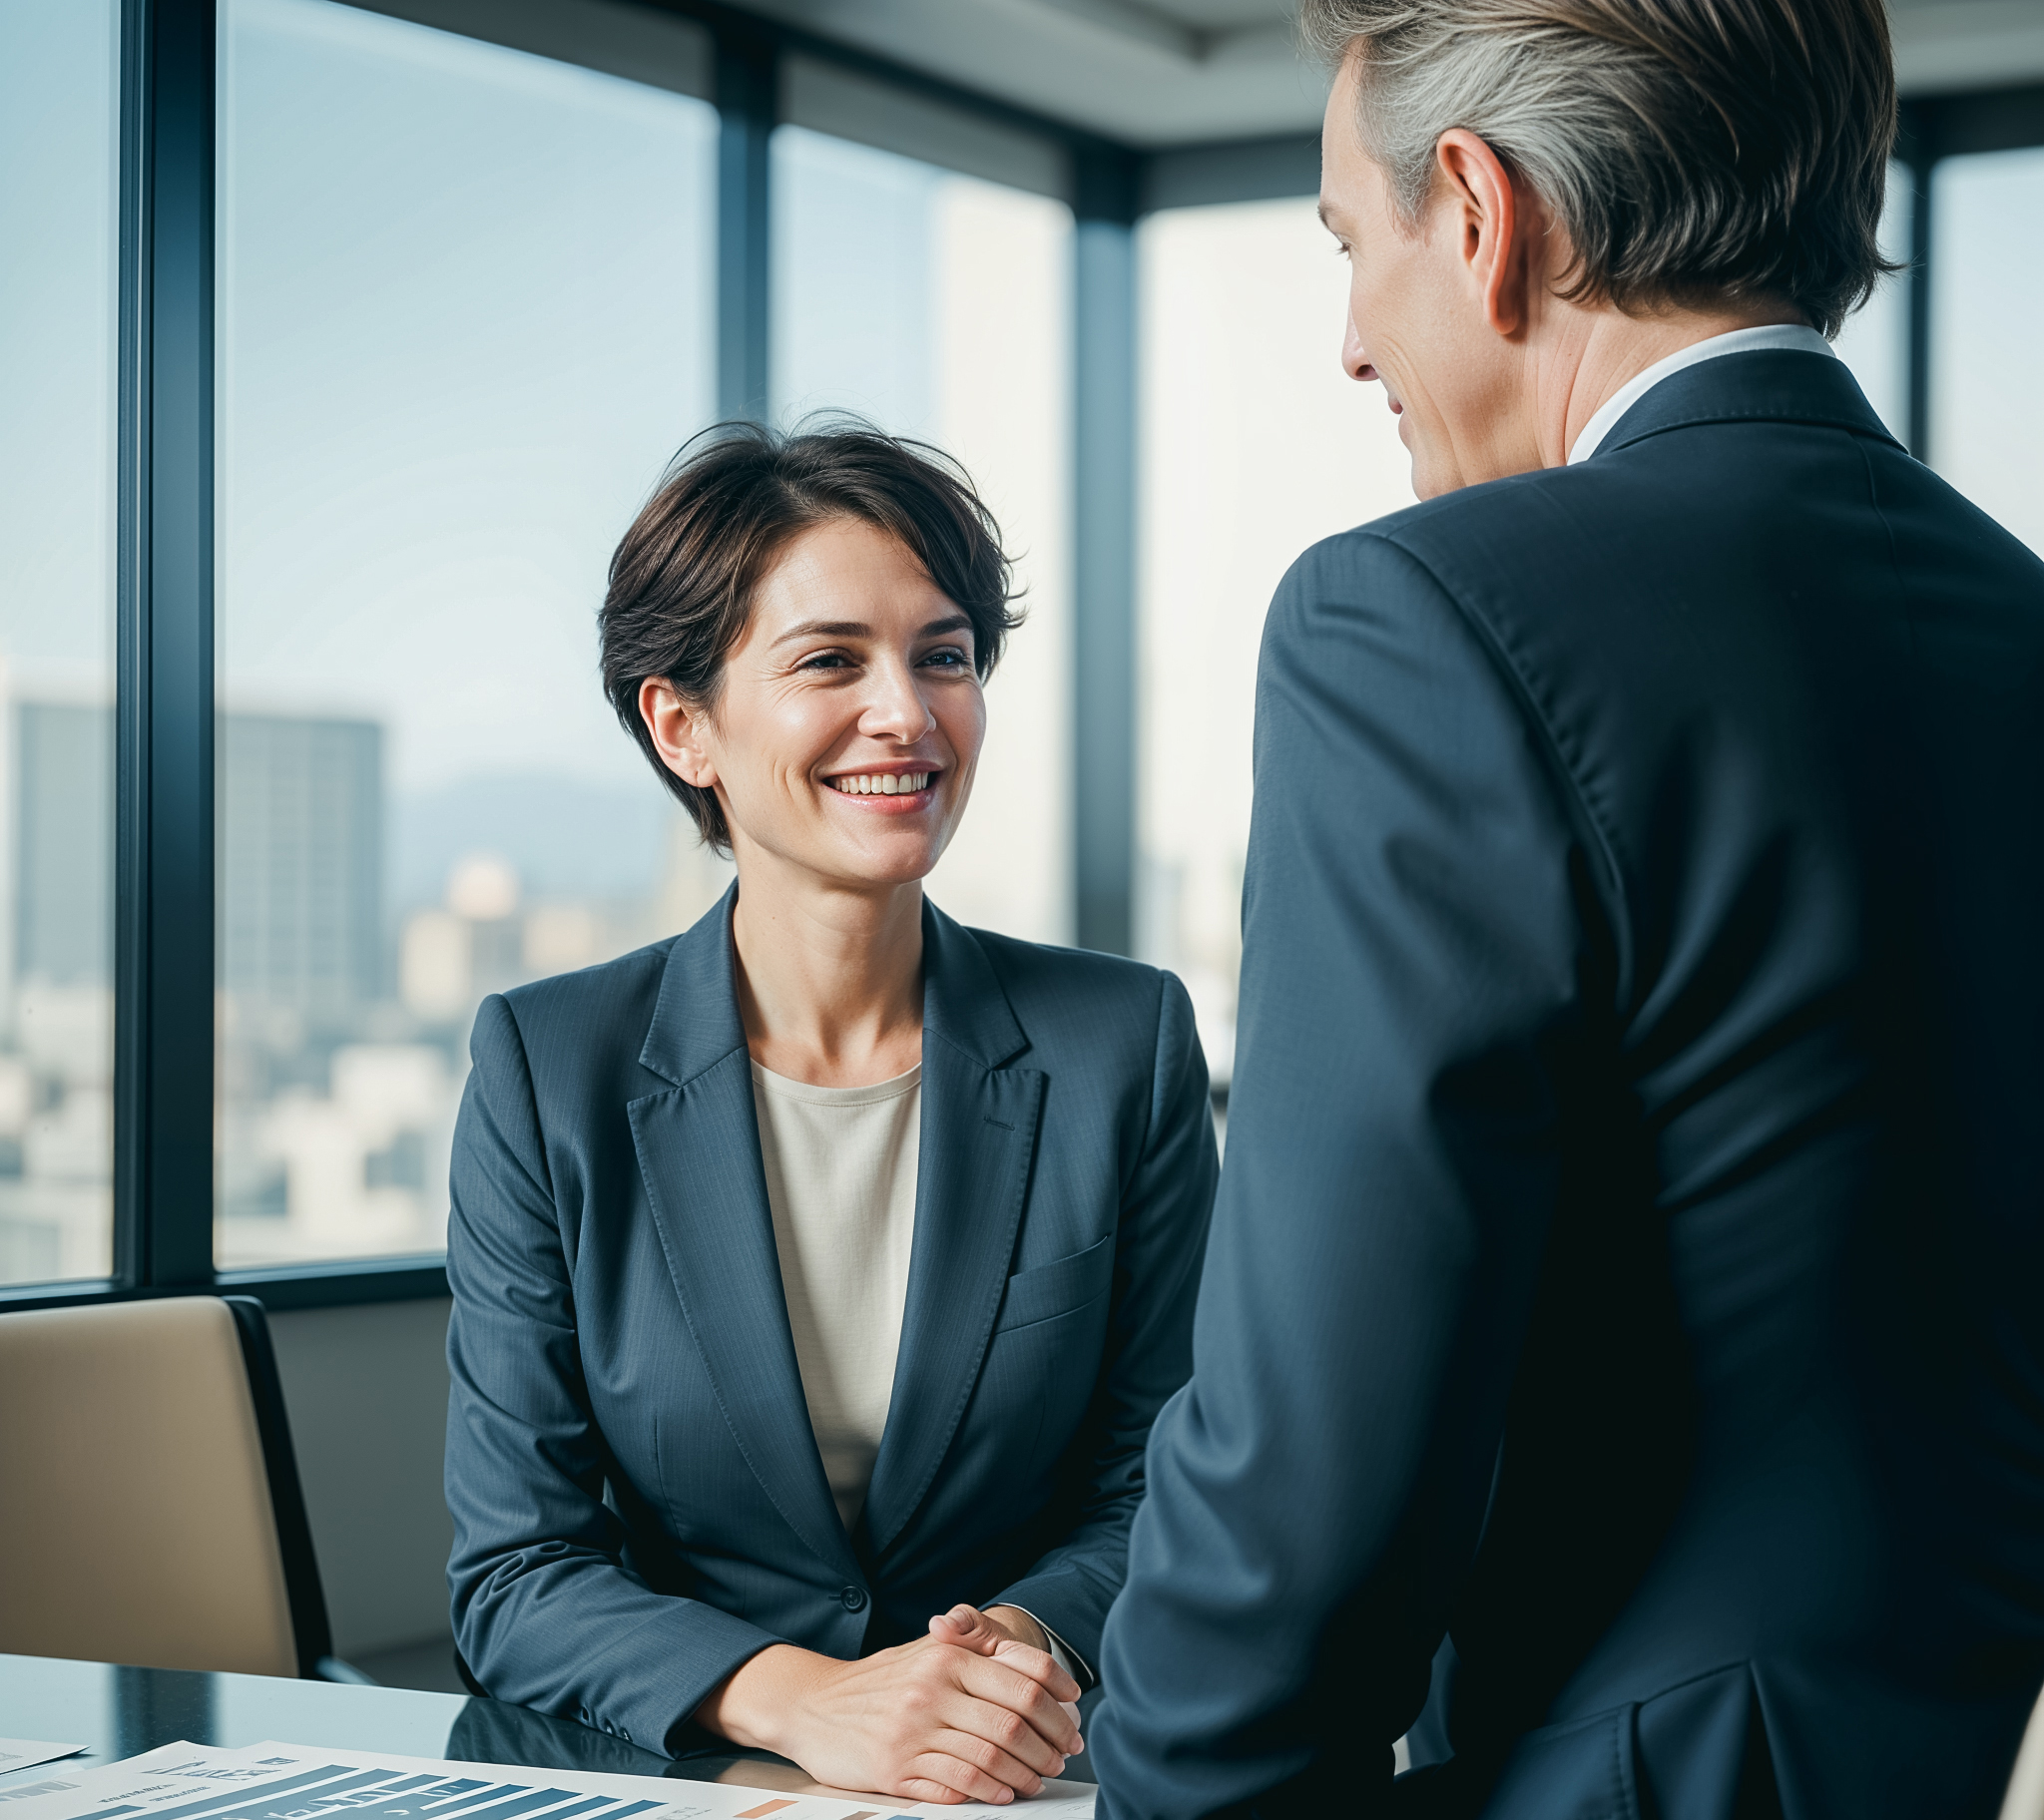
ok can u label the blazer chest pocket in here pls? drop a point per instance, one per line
(1058, 1287)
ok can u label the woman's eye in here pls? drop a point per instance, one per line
(947, 658)
(825, 659)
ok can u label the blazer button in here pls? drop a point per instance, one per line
(855, 1599)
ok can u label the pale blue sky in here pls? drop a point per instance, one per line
(466, 317)
(853, 281)
(58, 75)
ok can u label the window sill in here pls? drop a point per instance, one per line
(331, 1285)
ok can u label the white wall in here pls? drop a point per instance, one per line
(367, 1393)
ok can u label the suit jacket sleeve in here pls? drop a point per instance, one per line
(545, 1612)
(1409, 978)
(1166, 1203)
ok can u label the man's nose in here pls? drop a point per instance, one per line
(1354, 362)
(894, 706)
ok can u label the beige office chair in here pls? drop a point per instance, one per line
(149, 1510)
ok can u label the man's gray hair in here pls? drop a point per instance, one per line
(1694, 151)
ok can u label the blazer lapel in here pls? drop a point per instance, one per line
(699, 1152)
(972, 1174)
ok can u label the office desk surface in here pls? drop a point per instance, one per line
(120, 1712)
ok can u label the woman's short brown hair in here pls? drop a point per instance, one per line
(1693, 150)
(683, 579)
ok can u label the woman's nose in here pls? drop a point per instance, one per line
(895, 708)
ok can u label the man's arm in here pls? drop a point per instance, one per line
(1409, 999)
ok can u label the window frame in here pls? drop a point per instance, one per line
(166, 942)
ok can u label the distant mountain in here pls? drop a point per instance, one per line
(566, 838)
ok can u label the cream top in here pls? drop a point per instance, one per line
(841, 1166)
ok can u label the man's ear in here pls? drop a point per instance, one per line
(1494, 227)
(676, 730)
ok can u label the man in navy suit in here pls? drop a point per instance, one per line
(1620, 1360)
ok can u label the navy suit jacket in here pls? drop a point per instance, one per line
(1627, 1262)
(639, 1504)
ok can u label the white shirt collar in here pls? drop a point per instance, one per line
(1794, 337)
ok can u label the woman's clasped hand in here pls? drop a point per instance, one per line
(967, 1713)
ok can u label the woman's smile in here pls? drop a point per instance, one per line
(889, 790)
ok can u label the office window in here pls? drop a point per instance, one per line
(1254, 445)
(1986, 366)
(938, 306)
(58, 216)
(466, 317)
(1875, 342)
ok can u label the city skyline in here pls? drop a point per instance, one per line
(347, 982)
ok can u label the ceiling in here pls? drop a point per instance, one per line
(1147, 72)
(1177, 71)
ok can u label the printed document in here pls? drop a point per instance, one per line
(19, 1753)
(293, 1782)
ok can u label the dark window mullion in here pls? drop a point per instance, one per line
(748, 77)
(1104, 674)
(164, 967)
(131, 1262)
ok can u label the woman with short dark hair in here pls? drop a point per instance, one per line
(818, 1273)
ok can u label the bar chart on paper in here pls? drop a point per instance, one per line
(284, 1782)
(196, 1783)
(369, 1794)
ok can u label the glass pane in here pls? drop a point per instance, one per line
(1254, 445)
(939, 307)
(59, 221)
(1875, 342)
(466, 309)
(1986, 364)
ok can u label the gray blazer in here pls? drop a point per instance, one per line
(639, 1505)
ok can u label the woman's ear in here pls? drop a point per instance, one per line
(676, 730)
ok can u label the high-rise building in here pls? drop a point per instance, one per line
(302, 854)
(302, 862)
(64, 848)
(57, 989)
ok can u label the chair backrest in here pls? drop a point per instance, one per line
(149, 1510)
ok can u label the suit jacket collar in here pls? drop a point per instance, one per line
(698, 1145)
(1777, 386)
(696, 1020)
(979, 1120)
(962, 1002)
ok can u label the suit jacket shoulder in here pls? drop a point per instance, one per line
(1074, 998)
(582, 1034)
